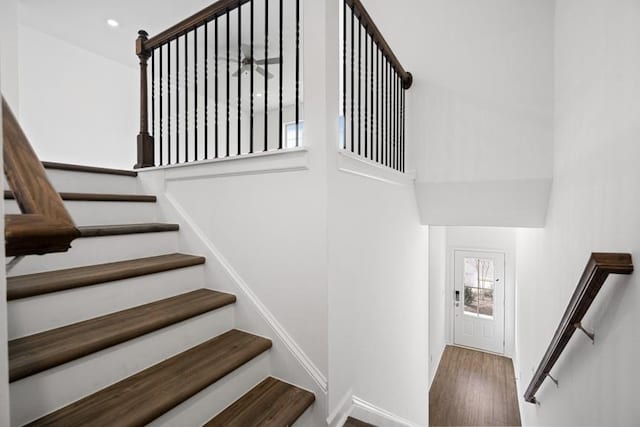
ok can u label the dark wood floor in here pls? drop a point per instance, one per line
(473, 388)
(353, 422)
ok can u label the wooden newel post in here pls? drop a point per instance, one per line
(145, 141)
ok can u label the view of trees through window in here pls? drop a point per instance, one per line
(479, 279)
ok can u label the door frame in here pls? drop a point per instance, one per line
(509, 296)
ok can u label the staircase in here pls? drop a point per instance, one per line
(123, 329)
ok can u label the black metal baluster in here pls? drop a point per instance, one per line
(206, 90)
(280, 13)
(371, 101)
(195, 95)
(239, 80)
(153, 98)
(403, 129)
(186, 102)
(397, 122)
(344, 74)
(251, 86)
(388, 112)
(168, 95)
(161, 105)
(352, 80)
(359, 85)
(366, 98)
(266, 71)
(297, 73)
(177, 103)
(394, 98)
(215, 72)
(377, 103)
(228, 87)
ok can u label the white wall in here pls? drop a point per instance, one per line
(76, 106)
(595, 206)
(437, 297)
(9, 51)
(4, 359)
(378, 289)
(479, 114)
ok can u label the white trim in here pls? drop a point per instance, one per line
(236, 160)
(370, 413)
(349, 162)
(339, 415)
(268, 317)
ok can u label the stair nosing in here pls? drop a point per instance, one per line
(97, 197)
(17, 289)
(87, 231)
(88, 169)
(102, 332)
(200, 367)
(268, 391)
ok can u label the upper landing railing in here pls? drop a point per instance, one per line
(373, 85)
(227, 82)
(223, 82)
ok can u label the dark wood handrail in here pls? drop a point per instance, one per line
(45, 225)
(376, 35)
(598, 268)
(196, 20)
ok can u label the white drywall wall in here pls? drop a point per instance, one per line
(479, 113)
(76, 106)
(4, 354)
(378, 255)
(595, 206)
(437, 296)
(9, 51)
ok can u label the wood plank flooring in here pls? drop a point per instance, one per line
(473, 388)
(354, 422)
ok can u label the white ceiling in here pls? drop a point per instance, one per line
(83, 23)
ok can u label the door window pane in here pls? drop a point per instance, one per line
(479, 279)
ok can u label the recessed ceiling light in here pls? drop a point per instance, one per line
(112, 23)
(258, 94)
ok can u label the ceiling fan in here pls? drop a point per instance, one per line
(248, 62)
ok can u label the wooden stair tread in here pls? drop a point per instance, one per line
(354, 422)
(120, 229)
(97, 197)
(35, 353)
(272, 403)
(29, 285)
(141, 398)
(90, 169)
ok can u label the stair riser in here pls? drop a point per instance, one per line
(40, 394)
(102, 213)
(197, 410)
(99, 250)
(36, 314)
(83, 182)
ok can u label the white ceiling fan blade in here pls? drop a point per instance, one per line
(262, 71)
(224, 59)
(268, 61)
(241, 70)
(246, 50)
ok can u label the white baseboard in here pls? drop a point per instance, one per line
(340, 414)
(372, 414)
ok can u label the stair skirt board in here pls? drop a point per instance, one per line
(43, 393)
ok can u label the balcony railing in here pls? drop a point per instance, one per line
(224, 82)
(373, 85)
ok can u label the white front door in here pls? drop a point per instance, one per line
(479, 300)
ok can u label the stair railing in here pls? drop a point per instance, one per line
(218, 84)
(373, 91)
(598, 268)
(45, 225)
